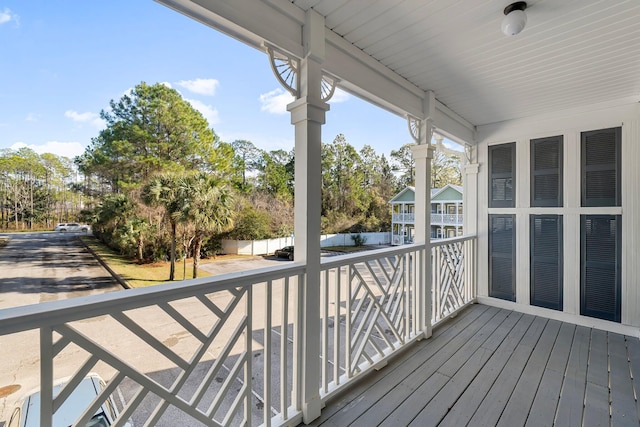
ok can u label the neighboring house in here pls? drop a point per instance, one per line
(446, 214)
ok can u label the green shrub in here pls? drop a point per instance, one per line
(359, 239)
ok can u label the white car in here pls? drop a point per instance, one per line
(27, 414)
(71, 227)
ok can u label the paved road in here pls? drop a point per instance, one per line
(39, 267)
(35, 268)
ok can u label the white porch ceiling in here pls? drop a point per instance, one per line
(572, 53)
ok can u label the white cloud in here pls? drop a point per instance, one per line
(200, 86)
(6, 16)
(88, 117)
(209, 112)
(276, 101)
(31, 117)
(66, 149)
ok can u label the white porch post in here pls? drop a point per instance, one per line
(422, 155)
(470, 194)
(308, 116)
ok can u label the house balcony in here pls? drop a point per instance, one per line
(425, 356)
(447, 219)
(408, 217)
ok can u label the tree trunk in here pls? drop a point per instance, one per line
(172, 270)
(196, 254)
(140, 249)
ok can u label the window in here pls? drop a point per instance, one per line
(600, 247)
(601, 151)
(502, 257)
(546, 261)
(502, 165)
(546, 171)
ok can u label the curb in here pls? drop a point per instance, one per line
(115, 275)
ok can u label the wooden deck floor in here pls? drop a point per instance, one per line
(492, 367)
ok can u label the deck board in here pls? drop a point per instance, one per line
(354, 401)
(438, 407)
(467, 404)
(517, 408)
(633, 345)
(440, 366)
(596, 411)
(623, 405)
(492, 367)
(570, 406)
(490, 410)
(545, 403)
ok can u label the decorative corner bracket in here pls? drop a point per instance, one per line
(415, 129)
(286, 69)
(328, 88)
(468, 152)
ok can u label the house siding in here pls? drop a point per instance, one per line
(569, 125)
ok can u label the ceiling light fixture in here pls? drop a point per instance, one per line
(515, 19)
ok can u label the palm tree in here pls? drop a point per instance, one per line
(135, 232)
(164, 190)
(208, 205)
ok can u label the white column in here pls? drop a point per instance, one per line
(470, 195)
(308, 115)
(422, 155)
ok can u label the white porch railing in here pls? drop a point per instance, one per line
(372, 304)
(447, 219)
(228, 350)
(453, 276)
(224, 351)
(404, 217)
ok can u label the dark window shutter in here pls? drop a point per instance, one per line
(546, 261)
(600, 284)
(502, 257)
(546, 171)
(601, 151)
(502, 177)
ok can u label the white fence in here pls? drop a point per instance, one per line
(265, 247)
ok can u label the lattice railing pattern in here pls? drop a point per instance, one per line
(215, 352)
(453, 283)
(370, 308)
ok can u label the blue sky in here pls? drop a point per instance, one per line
(62, 61)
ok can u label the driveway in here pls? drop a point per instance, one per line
(241, 264)
(40, 267)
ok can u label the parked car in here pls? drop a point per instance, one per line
(286, 252)
(27, 414)
(71, 227)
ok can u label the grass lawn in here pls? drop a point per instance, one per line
(139, 275)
